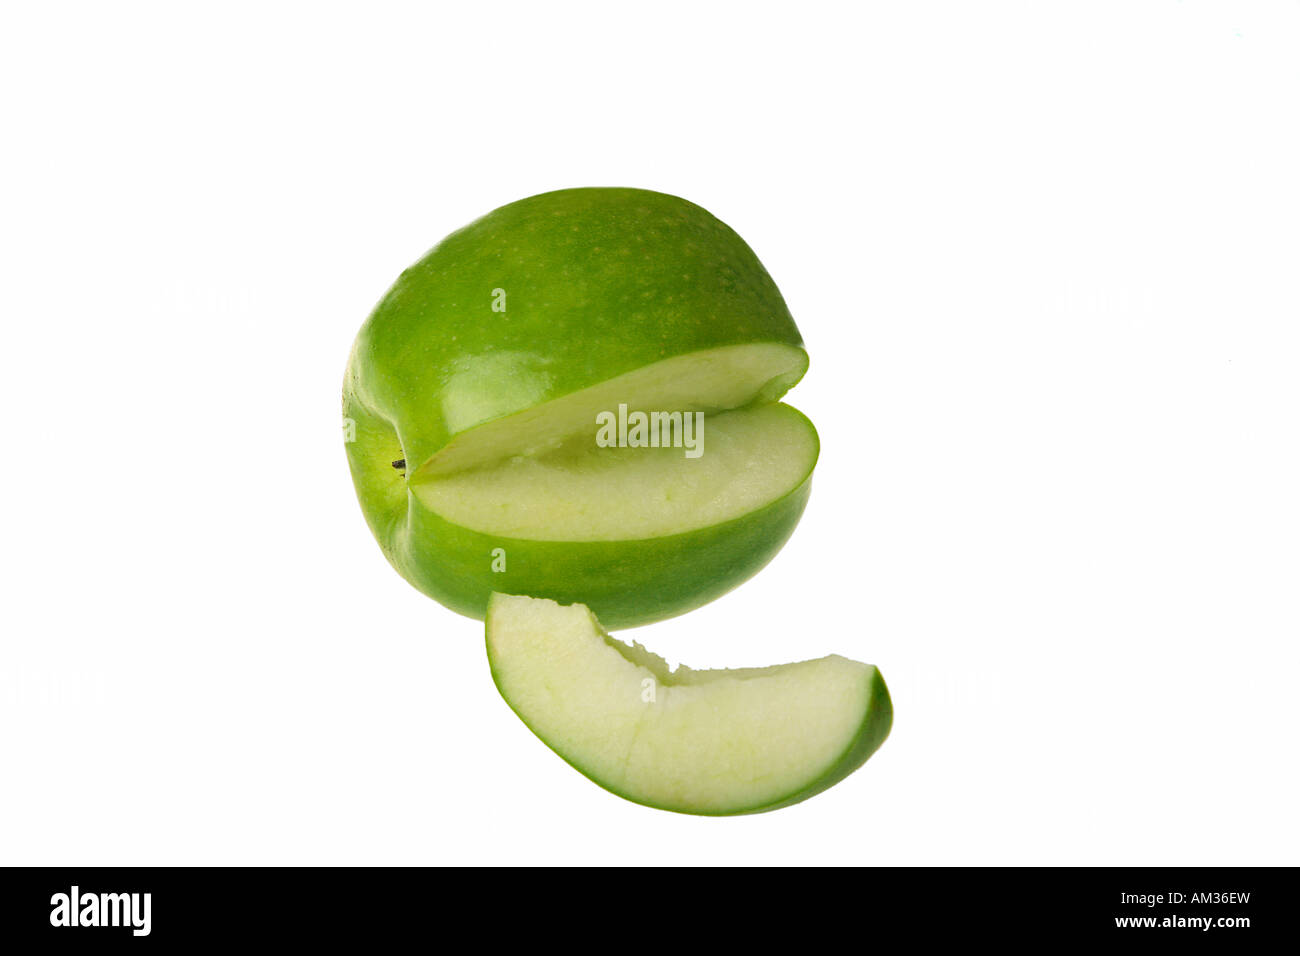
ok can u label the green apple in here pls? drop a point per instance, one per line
(472, 396)
(714, 742)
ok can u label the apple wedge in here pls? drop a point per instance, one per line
(637, 534)
(714, 742)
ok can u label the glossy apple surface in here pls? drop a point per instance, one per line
(505, 342)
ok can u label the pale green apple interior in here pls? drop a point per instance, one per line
(698, 741)
(709, 380)
(582, 492)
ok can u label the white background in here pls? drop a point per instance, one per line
(1046, 259)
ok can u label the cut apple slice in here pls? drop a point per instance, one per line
(637, 534)
(706, 742)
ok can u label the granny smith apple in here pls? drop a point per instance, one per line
(474, 391)
(714, 742)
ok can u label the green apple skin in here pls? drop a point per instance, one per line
(598, 282)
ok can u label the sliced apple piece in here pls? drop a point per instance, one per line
(713, 742)
(637, 534)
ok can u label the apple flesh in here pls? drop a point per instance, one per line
(581, 492)
(714, 742)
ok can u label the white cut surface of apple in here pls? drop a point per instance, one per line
(581, 492)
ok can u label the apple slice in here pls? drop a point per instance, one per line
(714, 742)
(637, 534)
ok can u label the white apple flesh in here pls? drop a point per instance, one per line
(745, 460)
